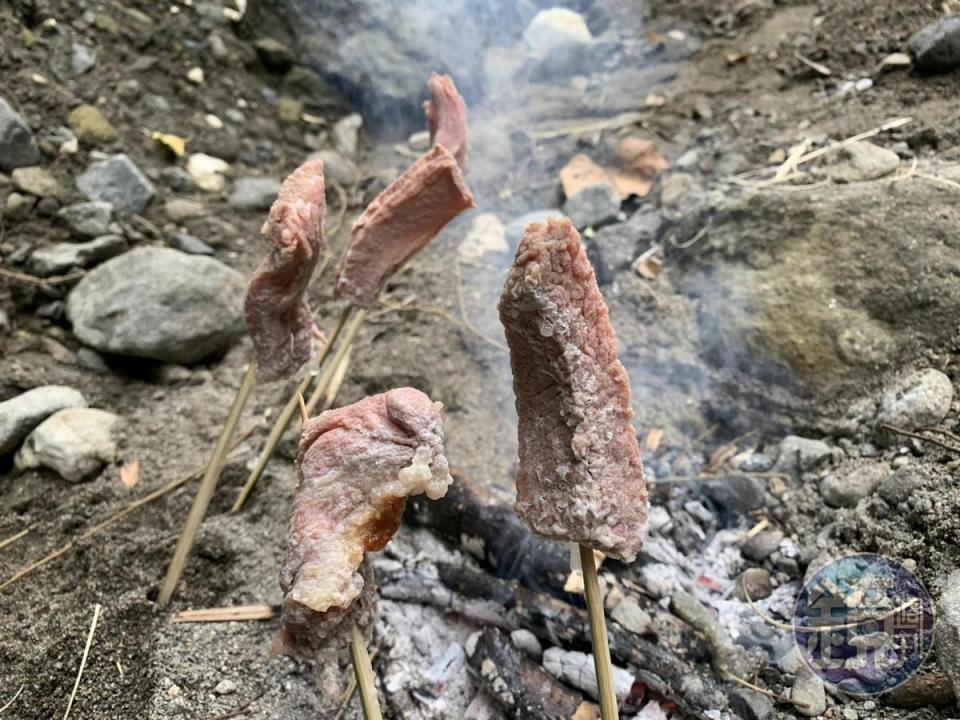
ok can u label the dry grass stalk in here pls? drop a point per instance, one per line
(763, 691)
(919, 436)
(226, 614)
(34, 280)
(83, 660)
(13, 538)
(205, 491)
(598, 634)
(112, 519)
(363, 670)
(788, 170)
(12, 700)
(283, 419)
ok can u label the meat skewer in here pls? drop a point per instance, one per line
(399, 223)
(580, 476)
(447, 117)
(279, 321)
(356, 467)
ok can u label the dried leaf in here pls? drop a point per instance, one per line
(652, 441)
(654, 100)
(649, 265)
(814, 65)
(130, 473)
(637, 163)
(894, 60)
(586, 711)
(579, 173)
(174, 143)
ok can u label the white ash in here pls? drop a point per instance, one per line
(577, 669)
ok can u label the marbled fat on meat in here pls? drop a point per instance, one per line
(580, 476)
(400, 222)
(356, 466)
(276, 307)
(447, 117)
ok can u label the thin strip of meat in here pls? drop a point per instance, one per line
(400, 222)
(580, 477)
(447, 117)
(357, 465)
(276, 307)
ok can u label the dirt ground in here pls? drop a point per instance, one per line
(721, 347)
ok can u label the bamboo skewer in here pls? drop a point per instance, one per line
(330, 372)
(207, 486)
(283, 419)
(83, 660)
(363, 670)
(598, 634)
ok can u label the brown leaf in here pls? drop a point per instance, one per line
(637, 163)
(579, 173)
(130, 473)
(649, 265)
(652, 441)
(586, 711)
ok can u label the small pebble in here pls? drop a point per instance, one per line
(225, 687)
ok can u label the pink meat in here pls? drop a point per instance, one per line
(277, 310)
(357, 465)
(580, 477)
(400, 222)
(447, 117)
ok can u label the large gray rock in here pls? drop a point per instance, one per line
(18, 148)
(254, 193)
(593, 206)
(560, 43)
(808, 691)
(800, 454)
(936, 47)
(946, 630)
(117, 180)
(61, 257)
(916, 400)
(20, 415)
(87, 219)
(75, 443)
(614, 248)
(862, 161)
(160, 304)
(848, 486)
(374, 50)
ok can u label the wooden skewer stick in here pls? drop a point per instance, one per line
(205, 491)
(364, 673)
(331, 370)
(83, 660)
(338, 377)
(304, 415)
(283, 419)
(598, 634)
